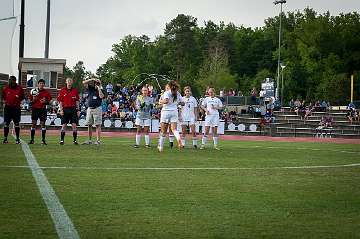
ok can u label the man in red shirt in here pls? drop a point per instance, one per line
(12, 96)
(39, 102)
(68, 99)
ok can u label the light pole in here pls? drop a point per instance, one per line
(281, 2)
(282, 83)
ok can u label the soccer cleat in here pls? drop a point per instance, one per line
(202, 147)
(216, 148)
(171, 144)
(136, 146)
(147, 146)
(5, 141)
(31, 141)
(43, 142)
(75, 143)
(195, 146)
(97, 142)
(62, 142)
(17, 141)
(160, 149)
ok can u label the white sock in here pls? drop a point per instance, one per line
(137, 139)
(161, 141)
(183, 141)
(171, 138)
(216, 140)
(177, 136)
(147, 139)
(204, 138)
(194, 141)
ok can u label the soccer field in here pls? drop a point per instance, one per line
(246, 190)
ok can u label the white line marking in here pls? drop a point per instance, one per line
(63, 224)
(191, 168)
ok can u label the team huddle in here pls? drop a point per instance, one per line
(175, 109)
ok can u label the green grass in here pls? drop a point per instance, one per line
(245, 203)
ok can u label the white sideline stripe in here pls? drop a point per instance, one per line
(63, 224)
(192, 168)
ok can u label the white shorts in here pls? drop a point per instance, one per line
(169, 117)
(188, 122)
(212, 120)
(143, 122)
(93, 116)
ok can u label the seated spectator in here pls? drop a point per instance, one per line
(114, 111)
(270, 106)
(327, 120)
(301, 110)
(269, 117)
(351, 106)
(351, 115)
(308, 111)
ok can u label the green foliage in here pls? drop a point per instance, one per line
(320, 52)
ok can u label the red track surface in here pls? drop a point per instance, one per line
(223, 137)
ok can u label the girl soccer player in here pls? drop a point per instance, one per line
(169, 113)
(143, 104)
(211, 105)
(188, 115)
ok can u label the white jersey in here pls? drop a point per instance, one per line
(209, 103)
(172, 105)
(187, 111)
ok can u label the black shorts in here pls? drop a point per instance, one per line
(12, 114)
(70, 116)
(39, 114)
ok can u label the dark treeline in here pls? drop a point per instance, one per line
(320, 52)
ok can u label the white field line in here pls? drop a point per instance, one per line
(301, 148)
(63, 224)
(186, 168)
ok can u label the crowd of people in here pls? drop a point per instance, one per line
(132, 103)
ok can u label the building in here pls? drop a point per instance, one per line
(51, 70)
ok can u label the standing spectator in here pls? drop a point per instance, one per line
(109, 89)
(69, 106)
(94, 110)
(12, 96)
(39, 102)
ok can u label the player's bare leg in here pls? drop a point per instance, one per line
(194, 137)
(204, 138)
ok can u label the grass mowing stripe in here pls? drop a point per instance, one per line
(63, 224)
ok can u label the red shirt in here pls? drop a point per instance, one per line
(68, 98)
(36, 101)
(13, 96)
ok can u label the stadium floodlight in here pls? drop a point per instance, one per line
(281, 2)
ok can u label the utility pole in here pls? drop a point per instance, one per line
(47, 37)
(22, 35)
(281, 2)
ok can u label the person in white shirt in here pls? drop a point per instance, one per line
(143, 105)
(169, 113)
(211, 105)
(170, 133)
(189, 115)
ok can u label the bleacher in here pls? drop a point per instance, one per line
(288, 124)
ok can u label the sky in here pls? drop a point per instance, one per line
(86, 29)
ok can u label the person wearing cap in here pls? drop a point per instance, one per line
(69, 105)
(39, 103)
(12, 96)
(95, 94)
